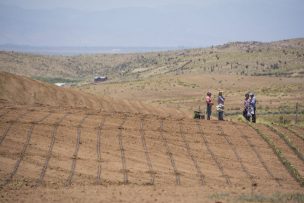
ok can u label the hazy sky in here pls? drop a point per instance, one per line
(105, 4)
(190, 23)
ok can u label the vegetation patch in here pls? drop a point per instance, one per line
(53, 80)
(291, 169)
(219, 196)
(276, 197)
(287, 141)
(294, 132)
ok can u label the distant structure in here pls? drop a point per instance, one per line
(100, 79)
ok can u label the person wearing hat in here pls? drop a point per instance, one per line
(252, 103)
(220, 106)
(246, 111)
(209, 104)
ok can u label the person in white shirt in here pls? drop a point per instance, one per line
(220, 106)
(252, 103)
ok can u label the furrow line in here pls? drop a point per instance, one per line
(197, 167)
(278, 152)
(217, 162)
(22, 153)
(75, 155)
(298, 127)
(251, 145)
(39, 181)
(232, 146)
(122, 152)
(287, 141)
(169, 153)
(294, 132)
(143, 141)
(11, 125)
(98, 151)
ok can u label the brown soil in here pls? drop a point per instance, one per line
(297, 141)
(290, 154)
(129, 152)
(298, 130)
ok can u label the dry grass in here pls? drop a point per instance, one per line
(283, 58)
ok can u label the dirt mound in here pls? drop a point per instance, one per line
(22, 90)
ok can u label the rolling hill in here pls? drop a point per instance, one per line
(281, 58)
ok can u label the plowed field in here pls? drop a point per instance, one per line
(82, 148)
(73, 154)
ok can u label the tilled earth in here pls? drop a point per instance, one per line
(78, 154)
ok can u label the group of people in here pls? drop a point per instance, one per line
(219, 107)
(249, 111)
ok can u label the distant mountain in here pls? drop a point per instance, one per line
(45, 50)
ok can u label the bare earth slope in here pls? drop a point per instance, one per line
(20, 90)
(73, 153)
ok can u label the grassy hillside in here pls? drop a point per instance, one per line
(282, 58)
(275, 95)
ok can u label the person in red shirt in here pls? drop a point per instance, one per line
(209, 104)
